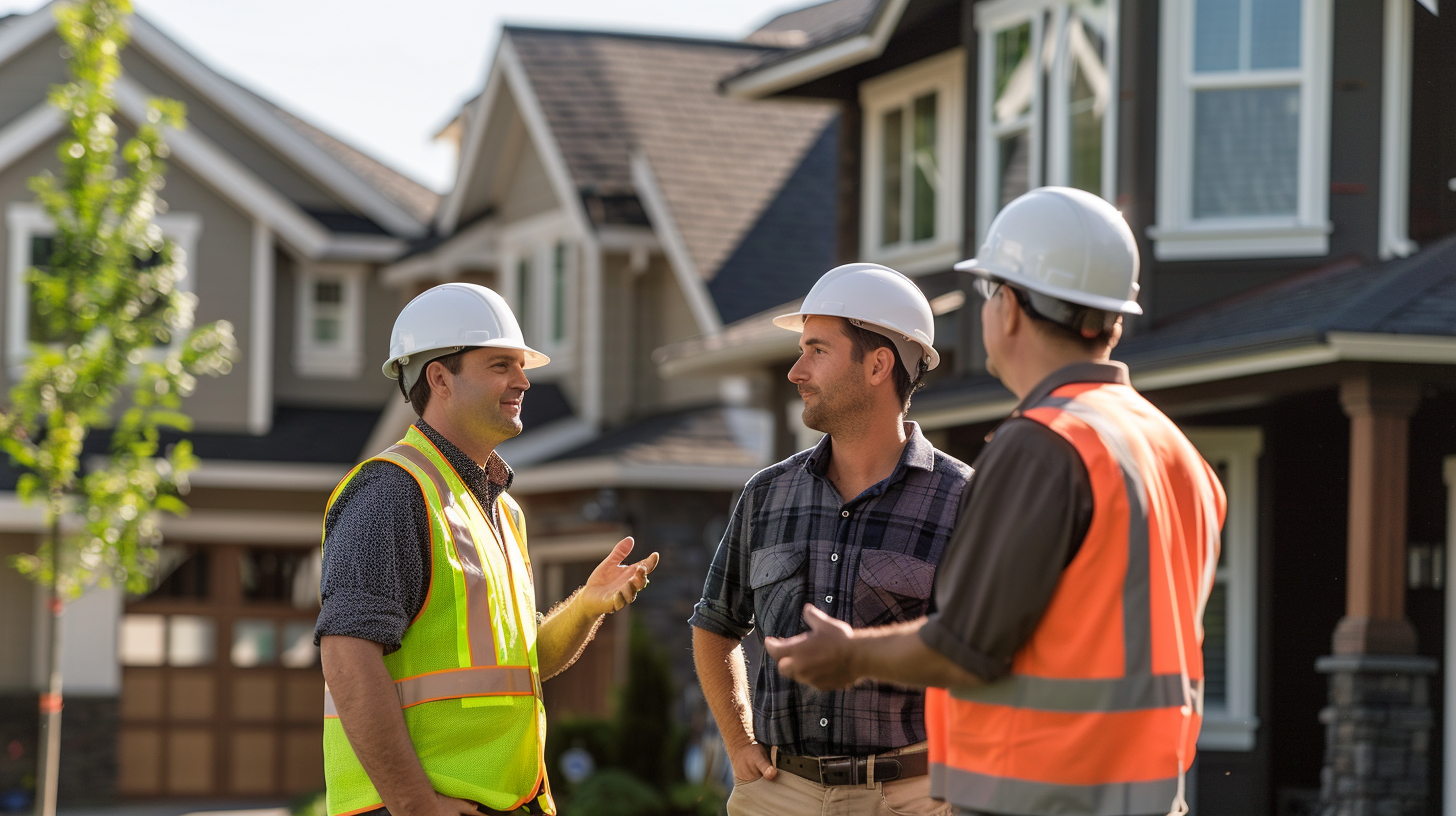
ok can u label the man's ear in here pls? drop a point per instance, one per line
(883, 365)
(439, 378)
(1011, 314)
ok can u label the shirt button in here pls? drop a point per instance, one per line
(824, 723)
(834, 557)
(844, 513)
(828, 599)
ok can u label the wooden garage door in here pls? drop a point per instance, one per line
(221, 690)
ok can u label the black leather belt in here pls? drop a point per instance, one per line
(854, 770)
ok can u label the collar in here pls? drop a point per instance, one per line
(1108, 372)
(918, 453)
(495, 469)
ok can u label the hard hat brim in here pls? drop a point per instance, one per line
(1107, 304)
(534, 358)
(794, 322)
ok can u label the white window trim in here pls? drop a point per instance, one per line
(1235, 727)
(26, 220)
(1448, 468)
(535, 239)
(1178, 235)
(999, 15)
(310, 360)
(945, 74)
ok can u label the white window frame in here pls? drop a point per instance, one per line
(943, 74)
(535, 240)
(1180, 236)
(27, 220)
(1234, 727)
(310, 359)
(1046, 116)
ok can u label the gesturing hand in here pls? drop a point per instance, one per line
(821, 657)
(612, 584)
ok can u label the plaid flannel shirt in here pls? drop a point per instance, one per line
(869, 561)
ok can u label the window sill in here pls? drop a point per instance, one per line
(328, 366)
(918, 259)
(1226, 732)
(1240, 240)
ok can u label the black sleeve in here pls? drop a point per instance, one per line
(376, 565)
(1022, 520)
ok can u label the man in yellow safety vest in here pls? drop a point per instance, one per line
(432, 648)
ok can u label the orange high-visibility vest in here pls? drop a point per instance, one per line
(1101, 710)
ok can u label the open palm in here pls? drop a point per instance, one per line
(613, 584)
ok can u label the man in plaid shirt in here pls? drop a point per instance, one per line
(855, 526)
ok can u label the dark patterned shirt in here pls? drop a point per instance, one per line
(377, 544)
(869, 561)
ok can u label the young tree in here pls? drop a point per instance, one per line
(111, 347)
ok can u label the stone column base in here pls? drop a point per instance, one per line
(1377, 732)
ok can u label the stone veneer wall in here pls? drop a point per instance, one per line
(1378, 731)
(88, 747)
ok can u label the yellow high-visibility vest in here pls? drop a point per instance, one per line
(466, 672)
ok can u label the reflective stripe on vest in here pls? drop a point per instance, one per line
(476, 681)
(1095, 717)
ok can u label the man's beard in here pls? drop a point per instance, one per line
(839, 404)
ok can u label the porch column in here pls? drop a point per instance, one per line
(1377, 725)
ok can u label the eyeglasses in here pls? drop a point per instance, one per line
(987, 287)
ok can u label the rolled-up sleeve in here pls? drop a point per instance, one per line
(726, 607)
(1022, 520)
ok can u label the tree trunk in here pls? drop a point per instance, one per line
(47, 774)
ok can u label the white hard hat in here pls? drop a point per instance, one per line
(1066, 244)
(877, 298)
(449, 318)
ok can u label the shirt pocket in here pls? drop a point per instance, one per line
(891, 587)
(776, 575)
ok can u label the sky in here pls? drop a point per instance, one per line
(385, 75)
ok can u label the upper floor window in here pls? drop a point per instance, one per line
(912, 165)
(1048, 99)
(541, 293)
(328, 332)
(30, 236)
(1244, 129)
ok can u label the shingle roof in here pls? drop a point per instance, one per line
(819, 25)
(721, 163)
(702, 436)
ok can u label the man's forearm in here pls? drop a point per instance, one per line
(369, 711)
(723, 674)
(896, 654)
(564, 634)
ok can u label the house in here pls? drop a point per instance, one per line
(1287, 167)
(210, 685)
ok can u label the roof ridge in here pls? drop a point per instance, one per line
(683, 39)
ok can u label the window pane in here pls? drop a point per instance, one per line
(326, 330)
(254, 643)
(523, 294)
(331, 292)
(1274, 34)
(1215, 648)
(1015, 74)
(143, 640)
(1013, 166)
(1216, 25)
(1089, 93)
(272, 573)
(192, 640)
(1246, 152)
(927, 170)
(298, 649)
(558, 293)
(892, 130)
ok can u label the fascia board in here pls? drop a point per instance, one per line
(230, 178)
(448, 216)
(694, 289)
(579, 474)
(266, 475)
(201, 525)
(27, 31)
(304, 154)
(735, 357)
(29, 131)
(819, 62)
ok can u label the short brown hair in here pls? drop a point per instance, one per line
(419, 394)
(862, 341)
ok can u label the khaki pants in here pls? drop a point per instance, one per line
(790, 795)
